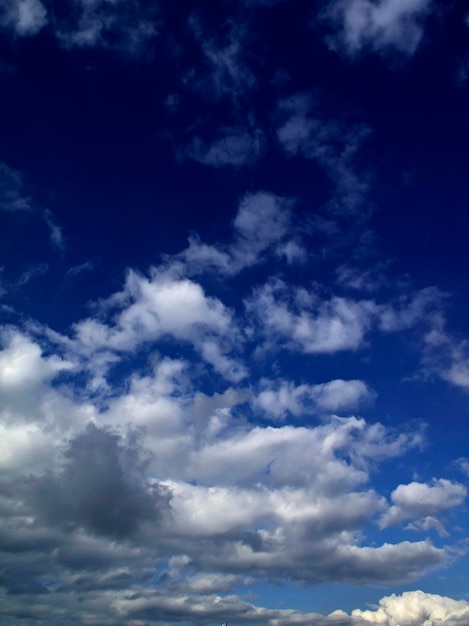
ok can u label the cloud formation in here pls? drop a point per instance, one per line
(24, 18)
(380, 26)
(262, 225)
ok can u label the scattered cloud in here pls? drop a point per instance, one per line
(302, 320)
(157, 308)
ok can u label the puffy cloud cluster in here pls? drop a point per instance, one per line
(150, 464)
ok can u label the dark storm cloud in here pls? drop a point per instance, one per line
(102, 487)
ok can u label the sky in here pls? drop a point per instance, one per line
(234, 354)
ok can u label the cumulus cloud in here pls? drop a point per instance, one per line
(379, 26)
(22, 364)
(415, 608)
(306, 323)
(279, 398)
(204, 497)
(420, 500)
(101, 488)
(301, 320)
(151, 309)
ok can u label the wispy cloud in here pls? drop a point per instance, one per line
(12, 193)
(303, 130)
(380, 26)
(235, 147)
(23, 17)
(262, 225)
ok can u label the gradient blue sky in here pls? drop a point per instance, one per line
(234, 366)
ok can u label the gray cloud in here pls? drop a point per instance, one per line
(101, 488)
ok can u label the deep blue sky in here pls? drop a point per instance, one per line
(234, 362)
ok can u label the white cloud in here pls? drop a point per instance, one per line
(282, 397)
(22, 364)
(379, 26)
(421, 500)
(301, 320)
(317, 327)
(415, 608)
(262, 223)
(162, 306)
(24, 17)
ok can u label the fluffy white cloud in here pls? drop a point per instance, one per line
(415, 608)
(301, 320)
(312, 327)
(22, 364)
(421, 500)
(283, 397)
(150, 309)
(380, 26)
